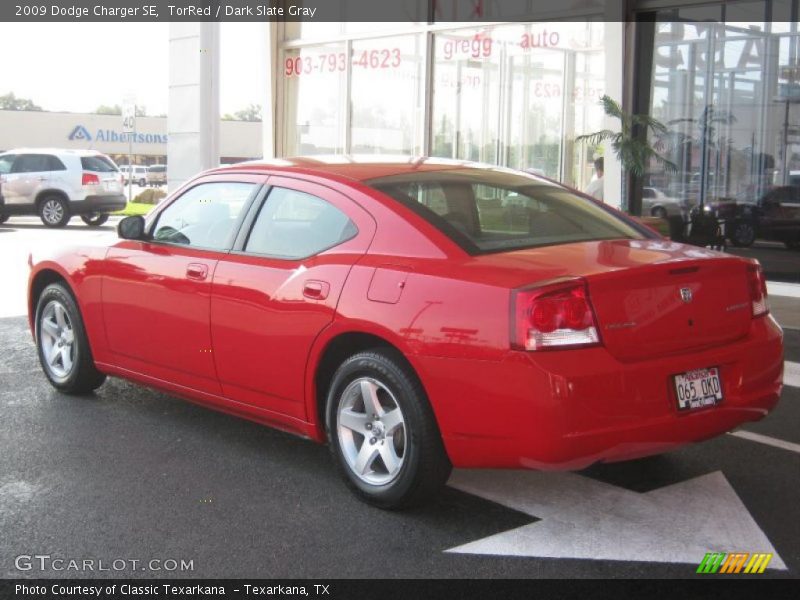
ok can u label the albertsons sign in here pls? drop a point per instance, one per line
(80, 133)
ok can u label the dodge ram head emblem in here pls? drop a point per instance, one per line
(686, 295)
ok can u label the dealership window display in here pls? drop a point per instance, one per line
(514, 94)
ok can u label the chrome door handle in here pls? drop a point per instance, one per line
(197, 271)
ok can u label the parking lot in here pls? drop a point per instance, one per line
(136, 475)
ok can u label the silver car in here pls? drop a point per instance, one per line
(657, 204)
(56, 184)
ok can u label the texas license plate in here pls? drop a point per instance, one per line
(698, 388)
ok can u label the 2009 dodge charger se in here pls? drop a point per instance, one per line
(416, 314)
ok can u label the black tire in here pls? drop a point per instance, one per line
(54, 211)
(743, 234)
(82, 377)
(791, 245)
(425, 466)
(3, 218)
(659, 212)
(94, 219)
(141, 182)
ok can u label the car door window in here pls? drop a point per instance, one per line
(205, 216)
(31, 163)
(294, 225)
(55, 164)
(6, 162)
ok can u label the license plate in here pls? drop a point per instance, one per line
(698, 388)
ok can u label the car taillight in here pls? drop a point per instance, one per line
(90, 179)
(558, 315)
(757, 285)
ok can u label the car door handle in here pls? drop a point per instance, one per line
(197, 271)
(316, 290)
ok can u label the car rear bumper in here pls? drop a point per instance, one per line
(565, 410)
(99, 203)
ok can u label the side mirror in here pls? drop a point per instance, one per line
(131, 228)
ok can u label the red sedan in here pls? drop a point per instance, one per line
(416, 314)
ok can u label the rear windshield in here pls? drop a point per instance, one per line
(485, 210)
(99, 164)
(156, 169)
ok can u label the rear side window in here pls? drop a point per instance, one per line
(98, 164)
(293, 225)
(6, 161)
(31, 163)
(487, 210)
(205, 216)
(56, 164)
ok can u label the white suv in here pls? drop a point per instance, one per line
(56, 184)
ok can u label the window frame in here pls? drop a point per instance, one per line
(263, 205)
(362, 220)
(254, 198)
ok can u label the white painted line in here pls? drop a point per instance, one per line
(791, 374)
(588, 519)
(779, 288)
(765, 439)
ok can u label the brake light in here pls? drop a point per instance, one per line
(757, 285)
(90, 179)
(559, 315)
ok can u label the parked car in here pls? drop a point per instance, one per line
(157, 175)
(139, 175)
(657, 204)
(56, 184)
(370, 304)
(774, 216)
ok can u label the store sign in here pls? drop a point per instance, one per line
(80, 133)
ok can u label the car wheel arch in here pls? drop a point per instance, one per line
(40, 197)
(39, 282)
(331, 354)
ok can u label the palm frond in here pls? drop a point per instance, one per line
(597, 137)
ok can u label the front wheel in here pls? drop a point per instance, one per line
(743, 234)
(141, 182)
(54, 211)
(94, 219)
(3, 219)
(382, 431)
(62, 344)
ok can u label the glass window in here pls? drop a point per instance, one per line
(493, 211)
(294, 225)
(387, 101)
(205, 216)
(31, 163)
(99, 164)
(5, 163)
(314, 99)
(55, 164)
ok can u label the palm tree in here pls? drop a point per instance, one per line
(629, 144)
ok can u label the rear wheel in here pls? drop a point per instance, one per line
(659, 212)
(382, 431)
(141, 182)
(3, 219)
(54, 211)
(62, 344)
(743, 234)
(94, 219)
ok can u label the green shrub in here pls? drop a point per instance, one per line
(151, 196)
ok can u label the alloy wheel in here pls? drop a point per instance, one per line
(372, 431)
(57, 340)
(53, 212)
